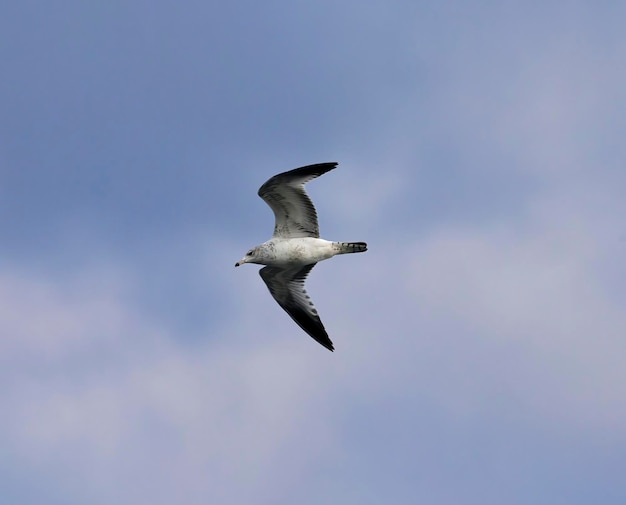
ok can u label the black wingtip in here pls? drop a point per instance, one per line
(308, 172)
(312, 326)
(326, 343)
(316, 169)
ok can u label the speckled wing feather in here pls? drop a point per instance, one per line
(293, 209)
(287, 287)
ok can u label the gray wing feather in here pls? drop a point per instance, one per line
(293, 209)
(287, 287)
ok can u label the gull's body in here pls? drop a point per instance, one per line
(296, 247)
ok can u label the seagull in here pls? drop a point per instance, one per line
(296, 247)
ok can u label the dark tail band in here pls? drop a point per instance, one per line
(351, 247)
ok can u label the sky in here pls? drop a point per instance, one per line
(480, 342)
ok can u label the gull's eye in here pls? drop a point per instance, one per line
(249, 253)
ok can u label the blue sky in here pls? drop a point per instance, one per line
(479, 342)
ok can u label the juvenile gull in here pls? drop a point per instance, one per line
(296, 247)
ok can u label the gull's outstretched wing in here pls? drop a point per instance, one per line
(287, 287)
(294, 212)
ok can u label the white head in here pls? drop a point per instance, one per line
(250, 257)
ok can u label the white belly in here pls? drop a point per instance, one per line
(304, 250)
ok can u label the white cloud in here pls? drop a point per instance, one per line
(46, 319)
(115, 412)
(534, 289)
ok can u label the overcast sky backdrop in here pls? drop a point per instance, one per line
(480, 342)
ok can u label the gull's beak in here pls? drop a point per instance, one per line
(240, 262)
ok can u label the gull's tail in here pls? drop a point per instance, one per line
(350, 247)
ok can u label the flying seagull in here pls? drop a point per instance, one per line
(296, 247)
